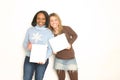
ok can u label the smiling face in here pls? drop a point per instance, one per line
(41, 20)
(54, 22)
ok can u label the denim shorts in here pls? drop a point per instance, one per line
(65, 64)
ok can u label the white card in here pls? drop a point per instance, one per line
(38, 53)
(59, 43)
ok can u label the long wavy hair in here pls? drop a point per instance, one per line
(60, 27)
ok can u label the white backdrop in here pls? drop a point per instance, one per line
(97, 23)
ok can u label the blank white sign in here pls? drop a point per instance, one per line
(59, 43)
(38, 53)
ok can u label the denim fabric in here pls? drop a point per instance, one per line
(31, 68)
(65, 64)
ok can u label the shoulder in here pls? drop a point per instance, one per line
(30, 29)
(49, 33)
(48, 30)
(66, 27)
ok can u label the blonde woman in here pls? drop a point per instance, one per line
(65, 59)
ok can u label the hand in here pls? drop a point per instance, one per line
(69, 46)
(41, 62)
(54, 53)
(29, 46)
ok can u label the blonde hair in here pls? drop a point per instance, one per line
(60, 27)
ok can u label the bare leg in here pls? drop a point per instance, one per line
(61, 74)
(73, 74)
